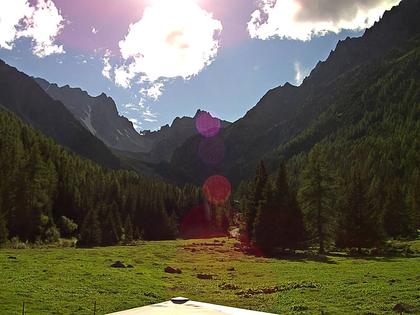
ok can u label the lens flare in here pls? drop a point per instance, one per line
(217, 189)
(207, 125)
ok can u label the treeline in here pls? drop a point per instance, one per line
(356, 168)
(327, 210)
(47, 192)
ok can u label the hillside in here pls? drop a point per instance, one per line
(47, 192)
(22, 95)
(288, 111)
(99, 116)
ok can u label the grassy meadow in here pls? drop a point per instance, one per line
(69, 280)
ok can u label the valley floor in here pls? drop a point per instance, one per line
(69, 280)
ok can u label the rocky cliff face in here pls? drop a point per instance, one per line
(99, 115)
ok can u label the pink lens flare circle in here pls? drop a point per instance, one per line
(207, 125)
(217, 189)
(211, 150)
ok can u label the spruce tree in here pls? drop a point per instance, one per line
(128, 230)
(110, 234)
(397, 220)
(360, 223)
(265, 227)
(315, 195)
(4, 233)
(256, 196)
(289, 219)
(91, 234)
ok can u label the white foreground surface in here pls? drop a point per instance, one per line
(187, 308)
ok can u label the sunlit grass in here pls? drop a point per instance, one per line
(68, 280)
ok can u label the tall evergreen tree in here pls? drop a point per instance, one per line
(315, 195)
(256, 196)
(128, 230)
(4, 233)
(360, 223)
(265, 228)
(91, 234)
(289, 219)
(397, 220)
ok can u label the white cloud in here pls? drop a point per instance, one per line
(136, 123)
(153, 92)
(42, 23)
(172, 39)
(94, 30)
(304, 19)
(131, 107)
(106, 71)
(148, 115)
(12, 12)
(123, 76)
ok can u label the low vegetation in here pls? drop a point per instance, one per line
(70, 280)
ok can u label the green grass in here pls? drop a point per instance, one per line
(68, 280)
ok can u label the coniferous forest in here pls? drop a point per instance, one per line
(46, 192)
(354, 172)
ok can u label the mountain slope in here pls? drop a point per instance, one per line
(286, 111)
(99, 115)
(24, 97)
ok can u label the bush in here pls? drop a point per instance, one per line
(16, 243)
(68, 227)
(52, 234)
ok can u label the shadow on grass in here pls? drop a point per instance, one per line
(306, 257)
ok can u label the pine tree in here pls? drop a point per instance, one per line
(289, 219)
(397, 220)
(110, 235)
(4, 233)
(128, 230)
(265, 221)
(91, 234)
(315, 195)
(360, 224)
(256, 196)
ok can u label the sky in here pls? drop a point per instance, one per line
(159, 59)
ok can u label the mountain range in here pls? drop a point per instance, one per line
(285, 114)
(286, 123)
(99, 115)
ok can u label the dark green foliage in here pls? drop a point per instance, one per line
(91, 233)
(256, 195)
(360, 223)
(397, 220)
(68, 227)
(279, 221)
(4, 233)
(316, 196)
(291, 230)
(46, 191)
(264, 224)
(128, 230)
(23, 96)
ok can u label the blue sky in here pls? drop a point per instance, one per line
(242, 62)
